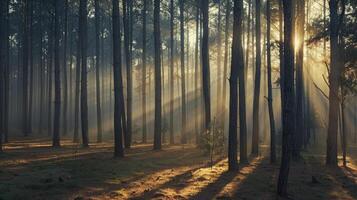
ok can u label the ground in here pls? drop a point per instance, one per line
(32, 169)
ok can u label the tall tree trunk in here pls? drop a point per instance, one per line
(83, 42)
(144, 74)
(225, 64)
(126, 23)
(219, 66)
(25, 66)
(183, 78)
(288, 98)
(65, 66)
(334, 79)
(196, 74)
(77, 90)
(157, 46)
(7, 74)
(42, 71)
(2, 70)
(236, 65)
(206, 65)
(97, 74)
(270, 88)
(300, 130)
(281, 54)
(256, 100)
(56, 119)
(118, 83)
(172, 72)
(50, 76)
(242, 101)
(30, 58)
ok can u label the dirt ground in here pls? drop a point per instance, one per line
(31, 169)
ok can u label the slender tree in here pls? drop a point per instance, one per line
(83, 45)
(334, 80)
(206, 64)
(118, 82)
(25, 63)
(127, 43)
(300, 130)
(225, 64)
(172, 141)
(157, 46)
(97, 67)
(237, 62)
(57, 112)
(77, 90)
(144, 74)
(183, 78)
(65, 66)
(288, 98)
(196, 73)
(256, 100)
(270, 90)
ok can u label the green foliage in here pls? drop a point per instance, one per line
(213, 141)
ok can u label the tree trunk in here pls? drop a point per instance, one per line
(236, 65)
(196, 74)
(183, 78)
(83, 45)
(255, 136)
(118, 82)
(57, 112)
(334, 76)
(300, 136)
(30, 58)
(77, 91)
(25, 66)
(206, 65)
(219, 67)
(97, 67)
(172, 72)
(225, 64)
(50, 76)
(65, 66)
(157, 46)
(144, 136)
(126, 23)
(288, 99)
(270, 90)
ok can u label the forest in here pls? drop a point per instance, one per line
(178, 99)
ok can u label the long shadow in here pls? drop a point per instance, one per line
(178, 182)
(343, 177)
(214, 188)
(95, 169)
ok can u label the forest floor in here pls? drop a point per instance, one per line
(31, 169)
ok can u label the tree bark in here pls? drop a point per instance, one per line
(144, 74)
(172, 140)
(57, 112)
(97, 67)
(206, 65)
(288, 98)
(256, 100)
(183, 78)
(157, 46)
(237, 62)
(65, 66)
(84, 94)
(270, 90)
(118, 83)
(334, 79)
(126, 23)
(300, 135)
